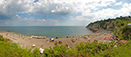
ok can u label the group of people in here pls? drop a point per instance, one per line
(110, 38)
(107, 38)
(50, 40)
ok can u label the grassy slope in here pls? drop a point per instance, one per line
(8, 49)
(93, 49)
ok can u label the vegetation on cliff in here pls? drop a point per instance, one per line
(118, 26)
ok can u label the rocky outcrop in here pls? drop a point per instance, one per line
(102, 25)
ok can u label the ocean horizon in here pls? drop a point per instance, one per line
(49, 31)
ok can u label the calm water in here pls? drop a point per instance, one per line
(49, 31)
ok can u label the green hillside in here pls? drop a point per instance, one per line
(118, 26)
(94, 49)
(9, 49)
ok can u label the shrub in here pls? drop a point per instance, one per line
(1, 38)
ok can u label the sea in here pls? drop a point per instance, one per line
(48, 31)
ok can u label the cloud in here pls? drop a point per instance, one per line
(41, 20)
(53, 12)
(125, 10)
(9, 8)
(49, 7)
(58, 8)
(119, 3)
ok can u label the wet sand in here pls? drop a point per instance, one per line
(26, 42)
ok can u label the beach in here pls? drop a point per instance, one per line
(27, 42)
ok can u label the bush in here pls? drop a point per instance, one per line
(1, 38)
(8, 49)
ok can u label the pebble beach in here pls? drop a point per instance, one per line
(25, 41)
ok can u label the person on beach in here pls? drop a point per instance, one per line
(72, 36)
(56, 37)
(47, 41)
(55, 43)
(86, 37)
(67, 36)
(67, 46)
(73, 40)
(60, 42)
(52, 39)
(116, 41)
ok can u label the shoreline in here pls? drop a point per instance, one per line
(26, 42)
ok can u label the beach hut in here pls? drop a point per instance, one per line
(44, 37)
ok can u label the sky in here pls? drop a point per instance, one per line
(60, 12)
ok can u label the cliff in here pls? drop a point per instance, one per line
(118, 26)
(108, 24)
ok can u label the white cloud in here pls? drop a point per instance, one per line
(89, 9)
(9, 8)
(119, 3)
(65, 7)
(101, 14)
(41, 20)
(125, 10)
(50, 7)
